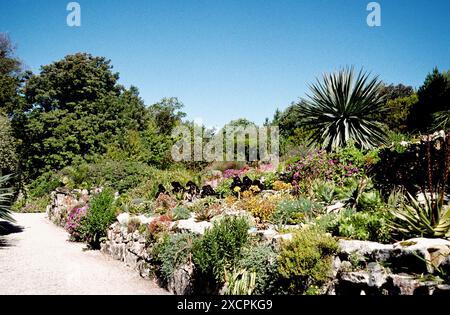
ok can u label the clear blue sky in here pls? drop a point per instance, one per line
(226, 59)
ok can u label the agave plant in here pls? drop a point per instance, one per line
(5, 198)
(428, 219)
(342, 108)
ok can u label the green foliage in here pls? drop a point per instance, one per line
(262, 260)
(167, 114)
(342, 108)
(181, 213)
(364, 226)
(172, 252)
(324, 191)
(6, 194)
(294, 211)
(10, 76)
(307, 259)
(221, 247)
(415, 219)
(43, 185)
(359, 194)
(350, 154)
(75, 111)
(398, 111)
(240, 282)
(101, 214)
(434, 97)
(8, 154)
(32, 205)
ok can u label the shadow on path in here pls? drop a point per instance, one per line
(7, 228)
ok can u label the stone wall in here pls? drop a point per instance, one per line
(130, 247)
(62, 201)
(413, 267)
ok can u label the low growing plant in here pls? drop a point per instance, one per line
(307, 259)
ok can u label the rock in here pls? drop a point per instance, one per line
(190, 225)
(181, 282)
(432, 253)
(123, 218)
(376, 251)
(335, 208)
(145, 220)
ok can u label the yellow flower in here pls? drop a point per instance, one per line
(237, 189)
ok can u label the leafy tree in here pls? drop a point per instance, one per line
(8, 155)
(393, 92)
(342, 108)
(10, 75)
(434, 102)
(75, 110)
(167, 114)
(398, 111)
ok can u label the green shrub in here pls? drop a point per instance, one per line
(100, 216)
(262, 260)
(294, 211)
(172, 252)
(221, 247)
(43, 185)
(181, 213)
(307, 259)
(364, 226)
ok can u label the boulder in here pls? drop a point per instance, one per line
(181, 282)
(191, 226)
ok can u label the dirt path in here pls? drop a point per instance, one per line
(36, 258)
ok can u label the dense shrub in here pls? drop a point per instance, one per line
(320, 165)
(364, 226)
(100, 216)
(306, 261)
(261, 259)
(221, 247)
(172, 252)
(408, 169)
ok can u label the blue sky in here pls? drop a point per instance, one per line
(226, 59)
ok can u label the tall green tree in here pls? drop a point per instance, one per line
(434, 102)
(75, 110)
(167, 114)
(11, 75)
(8, 144)
(342, 108)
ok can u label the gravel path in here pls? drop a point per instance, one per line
(36, 258)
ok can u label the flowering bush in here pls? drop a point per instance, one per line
(320, 165)
(73, 223)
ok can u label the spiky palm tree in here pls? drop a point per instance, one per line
(5, 198)
(342, 108)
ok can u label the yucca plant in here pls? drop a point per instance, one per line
(342, 108)
(431, 218)
(6, 193)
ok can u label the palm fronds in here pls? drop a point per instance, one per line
(342, 108)
(6, 194)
